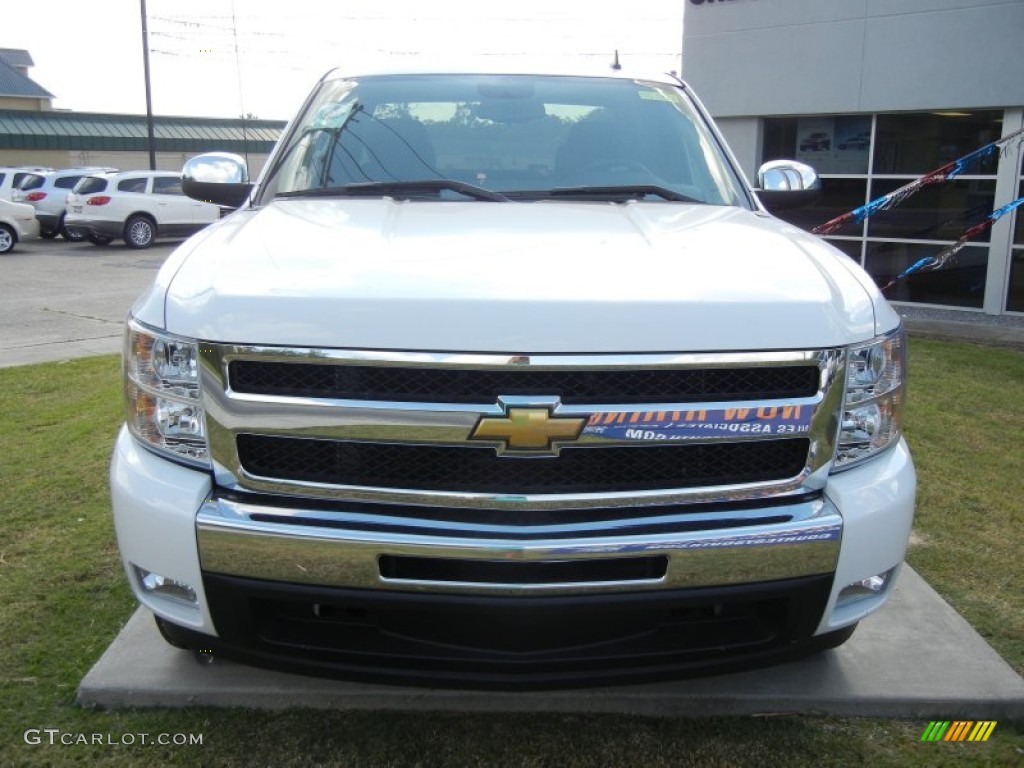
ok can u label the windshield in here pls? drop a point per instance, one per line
(523, 137)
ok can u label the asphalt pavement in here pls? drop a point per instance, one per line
(62, 300)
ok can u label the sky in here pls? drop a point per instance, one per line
(226, 58)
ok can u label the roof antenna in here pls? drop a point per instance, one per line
(615, 64)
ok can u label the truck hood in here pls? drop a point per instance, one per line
(539, 277)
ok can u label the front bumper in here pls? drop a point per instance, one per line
(473, 641)
(277, 585)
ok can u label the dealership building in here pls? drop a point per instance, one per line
(873, 94)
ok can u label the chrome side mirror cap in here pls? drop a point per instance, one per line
(786, 184)
(217, 177)
(787, 175)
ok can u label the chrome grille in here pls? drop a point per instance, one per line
(418, 384)
(481, 470)
(392, 428)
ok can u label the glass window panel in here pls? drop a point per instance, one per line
(1015, 291)
(134, 184)
(32, 181)
(923, 141)
(938, 212)
(828, 143)
(838, 196)
(67, 182)
(834, 144)
(167, 186)
(960, 283)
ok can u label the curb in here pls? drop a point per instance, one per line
(1011, 337)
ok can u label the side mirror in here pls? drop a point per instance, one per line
(216, 177)
(784, 184)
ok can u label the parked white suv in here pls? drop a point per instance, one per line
(138, 206)
(47, 192)
(12, 177)
(17, 222)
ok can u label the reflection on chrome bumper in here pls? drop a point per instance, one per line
(278, 544)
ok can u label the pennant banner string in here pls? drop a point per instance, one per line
(948, 255)
(949, 171)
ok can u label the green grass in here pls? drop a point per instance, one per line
(63, 599)
(965, 425)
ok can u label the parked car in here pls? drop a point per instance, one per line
(47, 192)
(12, 176)
(138, 206)
(815, 142)
(17, 222)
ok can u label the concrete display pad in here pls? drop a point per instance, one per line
(915, 659)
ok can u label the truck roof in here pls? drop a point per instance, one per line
(501, 65)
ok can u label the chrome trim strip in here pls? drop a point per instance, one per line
(463, 500)
(232, 543)
(480, 527)
(229, 413)
(229, 352)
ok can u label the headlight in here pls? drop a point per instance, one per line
(873, 409)
(162, 399)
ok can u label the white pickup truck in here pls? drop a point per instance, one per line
(509, 380)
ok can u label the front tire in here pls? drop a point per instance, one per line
(139, 232)
(7, 239)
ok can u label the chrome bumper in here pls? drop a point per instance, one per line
(313, 547)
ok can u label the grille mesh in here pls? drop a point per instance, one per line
(480, 469)
(461, 385)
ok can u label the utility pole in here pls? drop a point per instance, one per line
(150, 140)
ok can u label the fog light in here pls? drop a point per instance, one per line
(872, 586)
(155, 584)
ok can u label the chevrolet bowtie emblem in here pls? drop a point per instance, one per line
(528, 429)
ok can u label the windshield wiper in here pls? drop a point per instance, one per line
(619, 191)
(399, 189)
